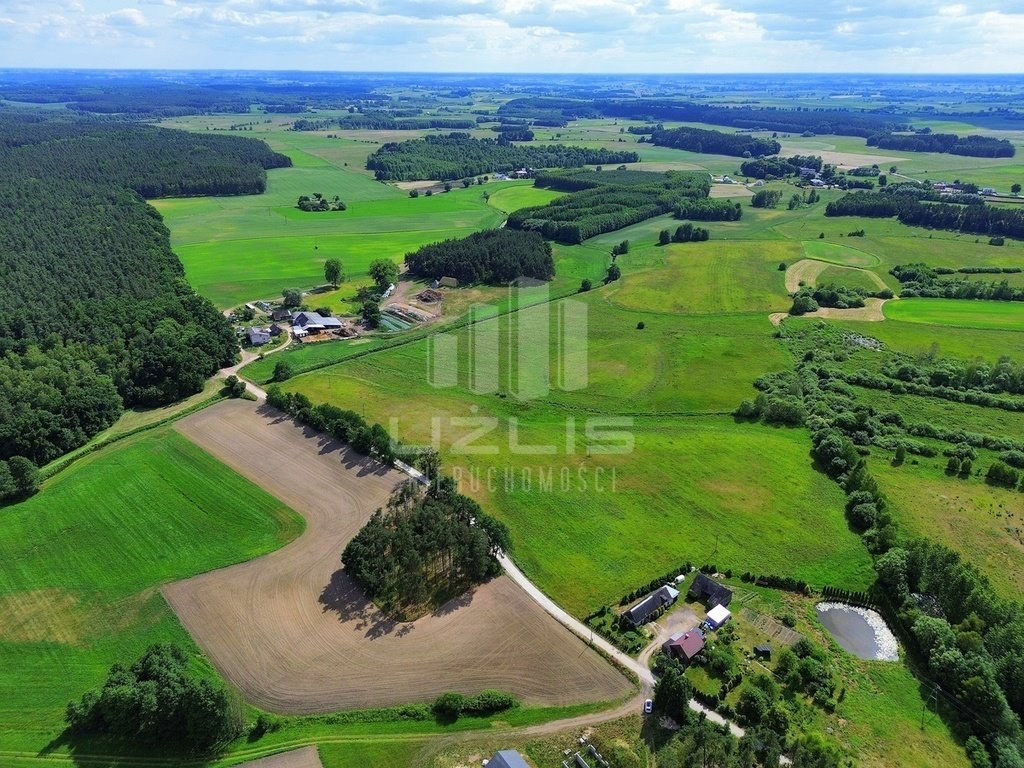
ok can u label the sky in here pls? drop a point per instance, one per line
(613, 36)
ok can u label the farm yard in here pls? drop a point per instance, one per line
(296, 634)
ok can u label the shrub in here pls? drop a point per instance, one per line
(283, 370)
(640, 326)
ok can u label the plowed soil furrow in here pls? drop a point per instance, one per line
(297, 636)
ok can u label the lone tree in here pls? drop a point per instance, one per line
(614, 273)
(371, 313)
(384, 273)
(664, 237)
(333, 273)
(291, 297)
(1015, 189)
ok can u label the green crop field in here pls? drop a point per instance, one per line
(85, 558)
(522, 195)
(985, 315)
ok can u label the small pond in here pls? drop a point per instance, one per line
(860, 631)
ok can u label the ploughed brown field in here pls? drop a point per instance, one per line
(296, 635)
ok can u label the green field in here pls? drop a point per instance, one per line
(85, 558)
(985, 315)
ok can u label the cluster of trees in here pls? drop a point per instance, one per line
(19, 478)
(921, 280)
(459, 155)
(811, 298)
(766, 198)
(605, 206)
(320, 203)
(714, 142)
(381, 121)
(492, 256)
(779, 168)
(424, 549)
(577, 180)
(344, 425)
(95, 313)
(157, 701)
(514, 132)
(708, 209)
(972, 641)
(971, 146)
(685, 233)
(970, 219)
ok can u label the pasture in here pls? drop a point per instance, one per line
(984, 523)
(296, 635)
(85, 558)
(983, 315)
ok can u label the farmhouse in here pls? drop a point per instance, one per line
(646, 608)
(507, 758)
(258, 336)
(709, 592)
(281, 313)
(684, 645)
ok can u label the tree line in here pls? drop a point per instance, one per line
(797, 120)
(424, 549)
(948, 143)
(493, 256)
(95, 313)
(602, 206)
(970, 219)
(714, 142)
(921, 280)
(382, 122)
(459, 155)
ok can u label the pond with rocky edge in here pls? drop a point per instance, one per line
(861, 631)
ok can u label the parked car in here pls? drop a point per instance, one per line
(648, 707)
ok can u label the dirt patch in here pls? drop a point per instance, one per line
(871, 312)
(296, 635)
(307, 757)
(804, 271)
(776, 318)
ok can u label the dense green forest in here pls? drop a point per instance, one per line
(971, 146)
(714, 142)
(708, 209)
(95, 313)
(970, 219)
(459, 155)
(424, 549)
(606, 201)
(493, 256)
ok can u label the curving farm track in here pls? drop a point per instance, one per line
(297, 636)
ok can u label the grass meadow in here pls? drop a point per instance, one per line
(84, 560)
(960, 313)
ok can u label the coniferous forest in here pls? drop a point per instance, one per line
(493, 256)
(459, 155)
(95, 312)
